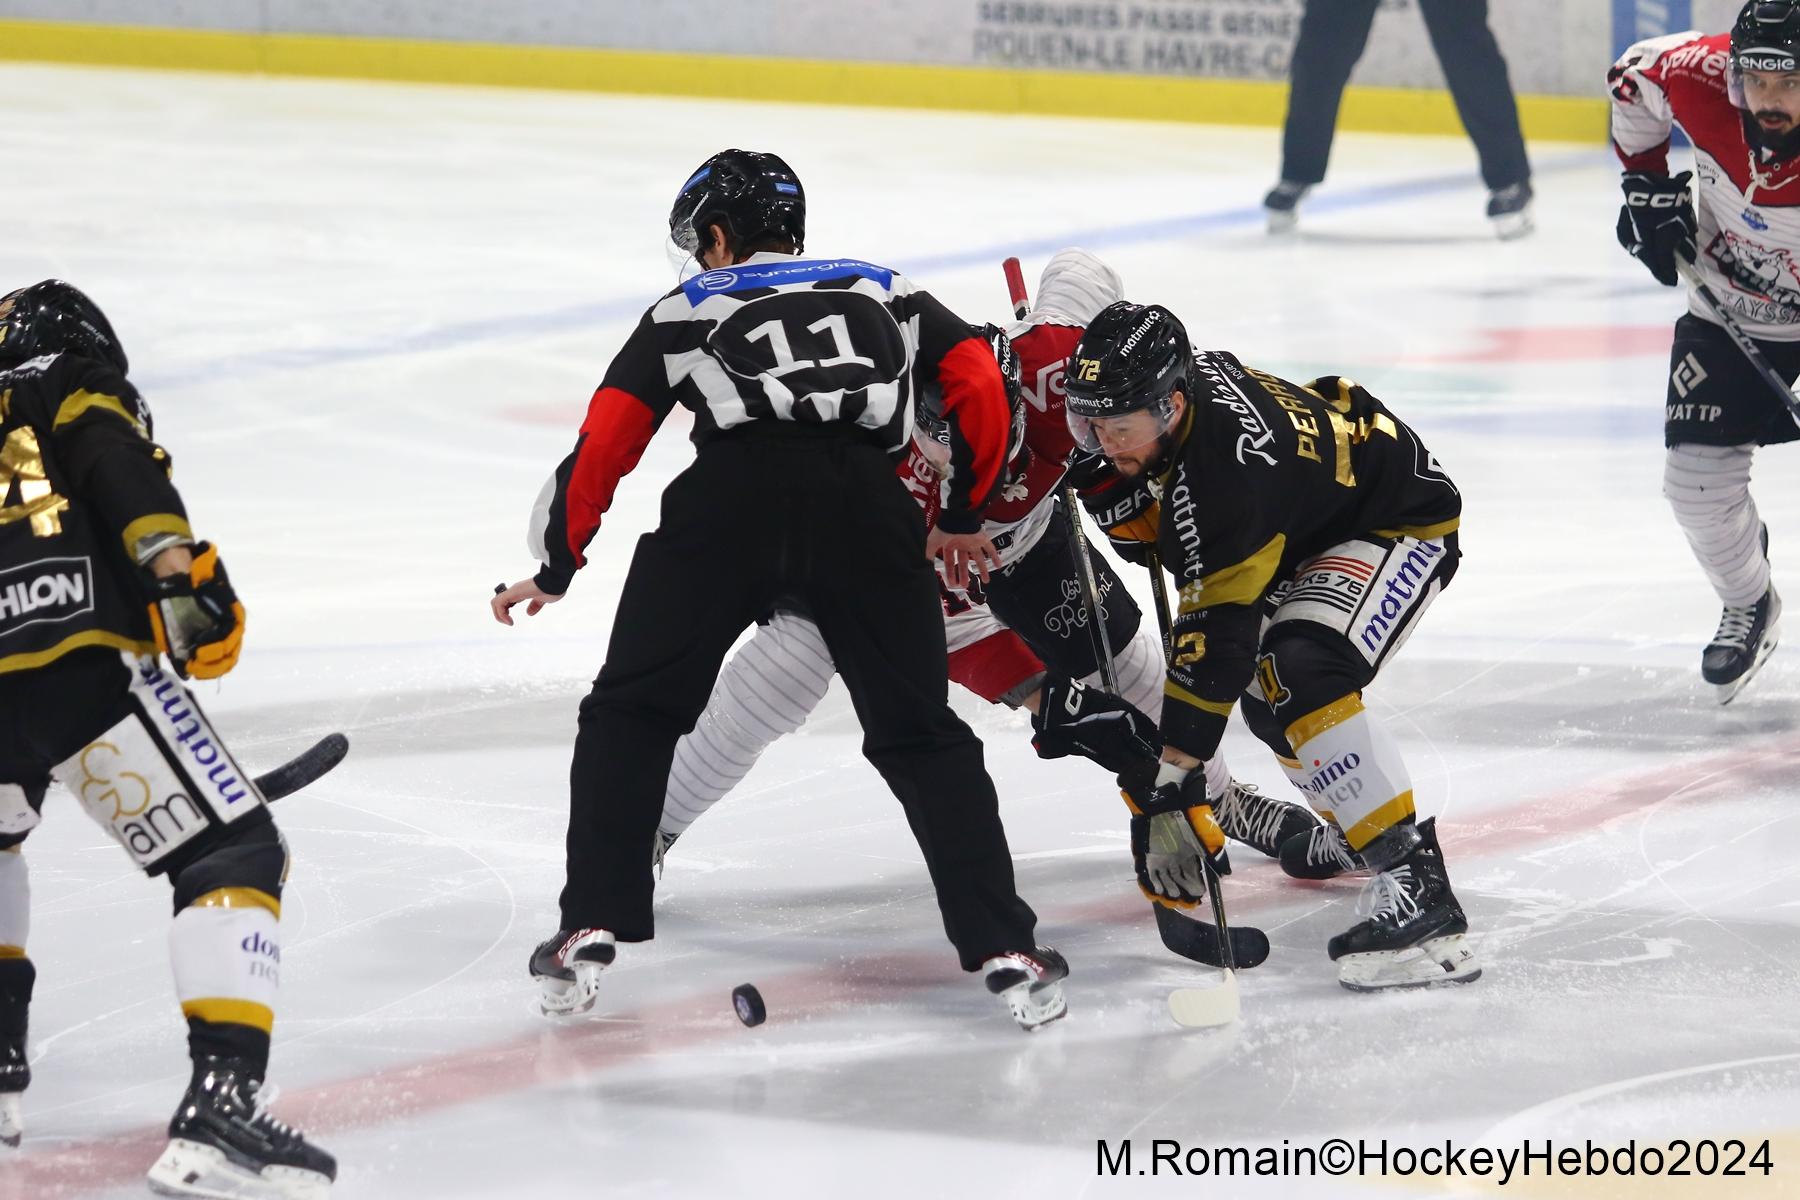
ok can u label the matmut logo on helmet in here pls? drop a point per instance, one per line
(1131, 357)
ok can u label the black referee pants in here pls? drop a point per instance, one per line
(814, 513)
(1332, 36)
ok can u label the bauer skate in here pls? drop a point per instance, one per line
(1260, 822)
(223, 1144)
(1321, 852)
(1743, 643)
(1414, 934)
(1281, 207)
(567, 968)
(1031, 985)
(15, 1077)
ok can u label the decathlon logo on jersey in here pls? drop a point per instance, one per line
(51, 589)
(1687, 376)
(1398, 590)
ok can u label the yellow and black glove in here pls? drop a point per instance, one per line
(198, 619)
(1172, 827)
(1125, 508)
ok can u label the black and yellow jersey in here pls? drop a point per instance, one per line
(1263, 475)
(83, 489)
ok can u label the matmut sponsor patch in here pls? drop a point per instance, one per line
(51, 589)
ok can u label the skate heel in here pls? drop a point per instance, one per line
(189, 1168)
(1031, 985)
(567, 968)
(12, 1120)
(1435, 961)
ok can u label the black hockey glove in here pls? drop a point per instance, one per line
(1172, 827)
(1124, 508)
(197, 618)
(1657, 222)
(1072, 719)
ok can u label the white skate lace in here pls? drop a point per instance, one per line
(1735, 626)
(265, 1095)
(1326, 844)
(1388, 897)
(1248, 815)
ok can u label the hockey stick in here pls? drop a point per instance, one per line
(1190, 937)
(305, 768)
(1758, 361)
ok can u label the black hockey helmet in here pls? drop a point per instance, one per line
(1131, 358)
(53, 317)
(930, 425)
(1766, 36)
(753, 195)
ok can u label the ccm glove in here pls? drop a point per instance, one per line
(1073, 719)
(1124, 508)
(1173, 835)
(1657, 222)
(198, 619)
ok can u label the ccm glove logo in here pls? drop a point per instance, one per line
(1654, 199)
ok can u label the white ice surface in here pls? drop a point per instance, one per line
(369, 318)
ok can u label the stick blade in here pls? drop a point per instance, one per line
(1197, 940)
(1206, 1007)
(297, 773)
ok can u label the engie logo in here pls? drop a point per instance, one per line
(51, 589)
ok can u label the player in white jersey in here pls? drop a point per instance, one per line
(1737, 97)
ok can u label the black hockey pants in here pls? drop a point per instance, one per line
(813, 513)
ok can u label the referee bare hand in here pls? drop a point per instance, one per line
(963, 554)
(525, 589)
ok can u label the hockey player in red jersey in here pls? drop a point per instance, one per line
(1020, 638)
(1737, 97)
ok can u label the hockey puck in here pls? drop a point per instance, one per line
(749, 1004)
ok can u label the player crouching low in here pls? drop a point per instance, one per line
(93, 529)
(1308, 529)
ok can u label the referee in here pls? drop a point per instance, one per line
(800, 374)
(1332, 36)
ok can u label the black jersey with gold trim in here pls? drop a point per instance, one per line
(1265, 474)
(83, 491)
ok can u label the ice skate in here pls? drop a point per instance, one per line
(223, 1144)
(15, 1077)
(1509, 208)
(1030, 983)
(1321, 852)
(1745, 639)
(1281, 206)
(567, 968)
(1261, 822)
(1414, 935)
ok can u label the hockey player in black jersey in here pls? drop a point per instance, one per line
(1307, 529)
(802, 373)
(107, 601)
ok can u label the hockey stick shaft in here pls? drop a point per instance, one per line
(1015, 287)
(1214, 893)
(1758, 361)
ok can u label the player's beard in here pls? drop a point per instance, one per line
(1782, 143)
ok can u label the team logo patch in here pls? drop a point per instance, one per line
(1273, 690)
(717, 281)
(1687, 376)
(1754, 219)
(51, 589)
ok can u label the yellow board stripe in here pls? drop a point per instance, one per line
(1380, 821)
(1240, 583)
(12, 952)
(739, 77)
(1314, 723)
(78, 404)
(1423, 532)
(224, 1011)
(238, 897)
(1175, 691)
(93, 637)
(154, 524)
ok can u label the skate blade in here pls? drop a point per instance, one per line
(1725, 692)
(1207, 1007)
(192, 1169)
(1035, 1005)
(12, 1121)
(1281, 222)
(1513, 226)
(570, 998)
(1431, 963)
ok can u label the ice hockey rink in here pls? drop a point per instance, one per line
(368, 318)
